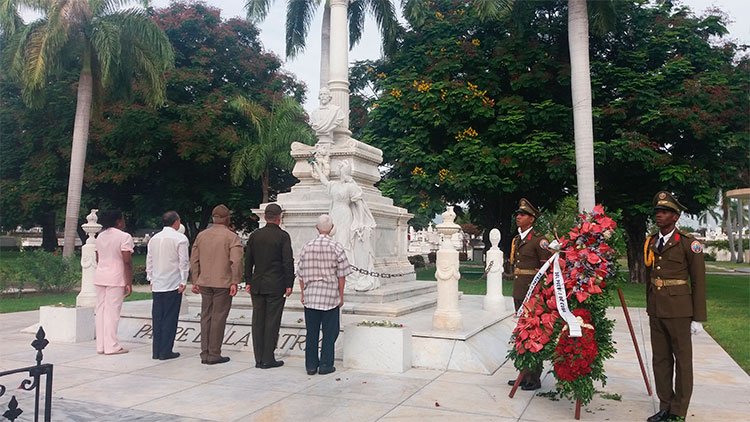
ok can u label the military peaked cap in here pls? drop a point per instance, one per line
(525, 206)
(666, 201)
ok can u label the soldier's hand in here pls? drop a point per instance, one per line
(695, 327)
(288, 291)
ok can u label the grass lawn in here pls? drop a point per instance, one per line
(728, 264)
(33, 302)
(728, 302)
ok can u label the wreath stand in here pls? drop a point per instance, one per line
(637, 353)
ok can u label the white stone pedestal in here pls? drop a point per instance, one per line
(87, 296)
(494, 299)
(67, 325)
(447, 315)
(385, 349)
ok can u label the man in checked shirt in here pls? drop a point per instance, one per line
(322, 272)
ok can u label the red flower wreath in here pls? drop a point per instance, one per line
(574, 355)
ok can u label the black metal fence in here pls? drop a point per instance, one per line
(32, 383)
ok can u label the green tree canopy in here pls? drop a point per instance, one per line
(479, 112)
(178, 157)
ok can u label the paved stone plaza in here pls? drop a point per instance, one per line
(91, 387)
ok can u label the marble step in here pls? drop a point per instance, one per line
(384, 294)
(416, 299)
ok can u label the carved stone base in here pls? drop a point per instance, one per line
(309, 198)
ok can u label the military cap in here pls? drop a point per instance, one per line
(272, 210)
(665, 201)
(525, 207)
(221, 211)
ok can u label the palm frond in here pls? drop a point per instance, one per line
(107, 7)
(145, 50)
(299, 17)
(272, 134)
(257, 10)
(356, 16)
(602, 15)
(10, 19)
(106, 44)
(385, 16)
(250, 110)
(415, 12)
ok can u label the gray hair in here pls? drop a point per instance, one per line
(169, 218)
(325, 224)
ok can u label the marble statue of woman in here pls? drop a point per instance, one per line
(353, 225)
(326, 117)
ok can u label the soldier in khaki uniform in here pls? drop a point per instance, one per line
(675, 307)
(528, 252)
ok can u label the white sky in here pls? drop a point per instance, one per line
(307, 64)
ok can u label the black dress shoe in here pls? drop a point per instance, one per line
(513, 382)
(258, 364)
(324, 371)
(171, 355)
(274, 364)
(530, 386)
(312, 371)
(204, 361)
(660, 416)
(223, 359)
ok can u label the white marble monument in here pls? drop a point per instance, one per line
(338, 176)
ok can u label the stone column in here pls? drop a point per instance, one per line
(339, 76)
(494, 299)
(87, 297)
(447, 316)
(740, 237)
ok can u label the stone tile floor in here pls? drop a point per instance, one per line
(133, 387)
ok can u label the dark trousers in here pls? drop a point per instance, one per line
(534, 375)
(267, 310)
(165, 311)
(215, 305)
(330, 321)
(672, 349)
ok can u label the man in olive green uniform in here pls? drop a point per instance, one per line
(675, 307)
(528, 253)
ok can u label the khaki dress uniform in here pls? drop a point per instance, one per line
(527, 255)
(672, 303)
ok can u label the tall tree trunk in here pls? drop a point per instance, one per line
(265, 186)
(740, 240)
(78, 154)
(325, 47)
(49, 232)
(635, 230)
(580, 85)
(728, 227)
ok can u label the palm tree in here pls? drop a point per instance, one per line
(269, 139)
(299, 16)
(109, 45)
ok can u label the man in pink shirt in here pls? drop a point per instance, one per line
(113, 279)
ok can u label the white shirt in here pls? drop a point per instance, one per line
(167, 262)
(665, 237)
(526, 233)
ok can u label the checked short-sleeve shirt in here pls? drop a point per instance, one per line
(321, 263)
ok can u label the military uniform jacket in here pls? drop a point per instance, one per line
(680, 259)
(527, 256)
(269, 264)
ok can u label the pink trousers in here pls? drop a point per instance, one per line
(108, 305)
